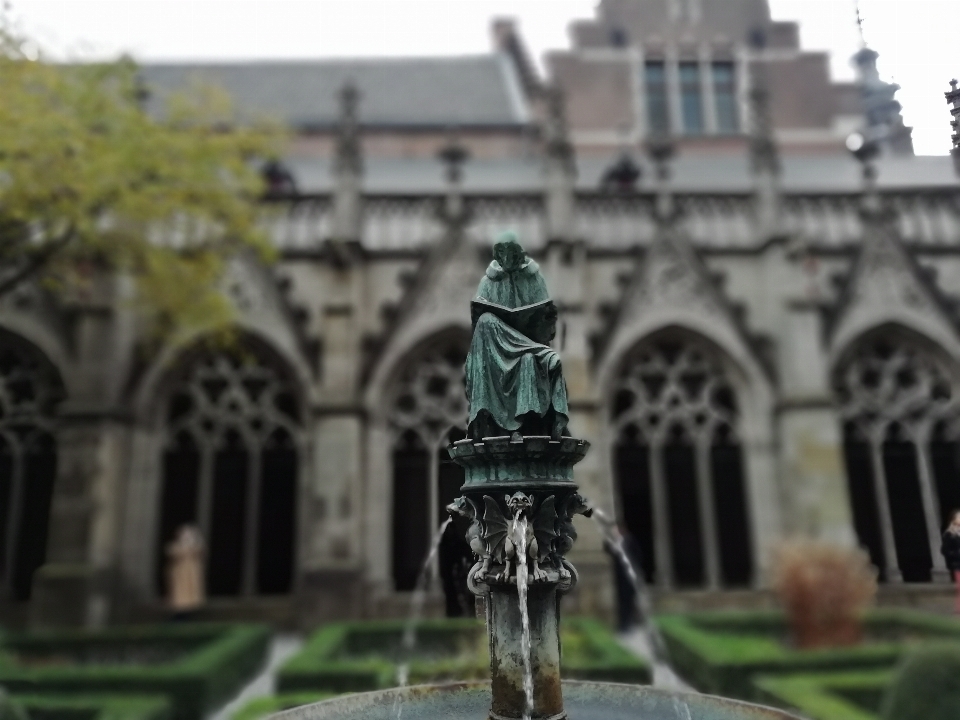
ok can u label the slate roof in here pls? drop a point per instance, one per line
(465, 91)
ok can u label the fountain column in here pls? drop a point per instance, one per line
(522, 485)
(519, 494)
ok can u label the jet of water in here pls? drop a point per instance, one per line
(520, 533)
(409, 641)
(664, 674)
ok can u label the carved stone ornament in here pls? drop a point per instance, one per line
(543, 526)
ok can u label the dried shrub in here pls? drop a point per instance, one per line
(824, 590)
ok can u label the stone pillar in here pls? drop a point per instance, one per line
(505, 625)
(816, 502)
(76, 584)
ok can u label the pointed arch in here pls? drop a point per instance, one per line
(675, 412)
(231, 456)
(898, 392)
(423, 409)
(30, 389)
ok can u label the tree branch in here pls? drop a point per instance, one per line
(35, 262)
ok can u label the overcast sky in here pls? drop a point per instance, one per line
(918, 40)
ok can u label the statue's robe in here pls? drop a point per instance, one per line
(509, 375)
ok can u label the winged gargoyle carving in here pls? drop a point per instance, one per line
(502, 536)
(576, 504)
(467, 508)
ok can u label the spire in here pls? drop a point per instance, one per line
(953, 98)
(560, 170)
(881, 111)
(764, 157)
(348, 168)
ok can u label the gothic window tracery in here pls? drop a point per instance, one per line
(230, 467)
(29, 392)
(679, 465)
(428, 411)
(901, 421)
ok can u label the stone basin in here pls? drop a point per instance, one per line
(582, 701)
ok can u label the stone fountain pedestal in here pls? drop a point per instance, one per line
(515, 485)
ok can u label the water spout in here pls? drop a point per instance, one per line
(409, 641)
(520, 532)
(664, 674)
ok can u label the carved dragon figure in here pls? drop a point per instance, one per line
(495, 538)
(576, 504)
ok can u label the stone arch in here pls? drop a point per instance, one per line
(898, 393)
(230, 457)
(150, 388)
(675, 410)
(30, 389)
(424, 409)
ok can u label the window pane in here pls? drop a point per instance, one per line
(691, 99)
(658, 115)
(725, 96)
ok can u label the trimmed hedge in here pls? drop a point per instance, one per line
(359, 656)
(196, 666)
(356, 656)
(262, 706)
(589, 651)
(722, 652)
(852, 695)
(95, 707)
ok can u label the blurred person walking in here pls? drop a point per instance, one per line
(950, 549)
(186, 591)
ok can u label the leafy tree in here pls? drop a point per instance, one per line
(90, 181)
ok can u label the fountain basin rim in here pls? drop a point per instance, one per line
(358, 705)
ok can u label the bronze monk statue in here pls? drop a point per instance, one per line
(515, 382)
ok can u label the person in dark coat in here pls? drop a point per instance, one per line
(950, 549)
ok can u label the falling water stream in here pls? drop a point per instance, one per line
(409, 642)
(664, 674)
(520, 532)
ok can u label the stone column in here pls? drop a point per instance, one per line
(816, 499)
(506, 653)
(75, 585)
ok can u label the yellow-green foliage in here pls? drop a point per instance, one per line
(89, 181)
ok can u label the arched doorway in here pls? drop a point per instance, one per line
(230, 467)
(30, 389)
(428, 412)
(679, 463)
(901, 427)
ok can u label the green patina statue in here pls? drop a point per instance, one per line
(515, 382)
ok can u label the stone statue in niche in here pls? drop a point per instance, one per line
(515, 383)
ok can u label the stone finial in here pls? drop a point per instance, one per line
(555, 131)
(661, 149)
(559, 169)
(953, 99)
(866, 149)
(347, 169)
(349, 155)
(453, 155)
